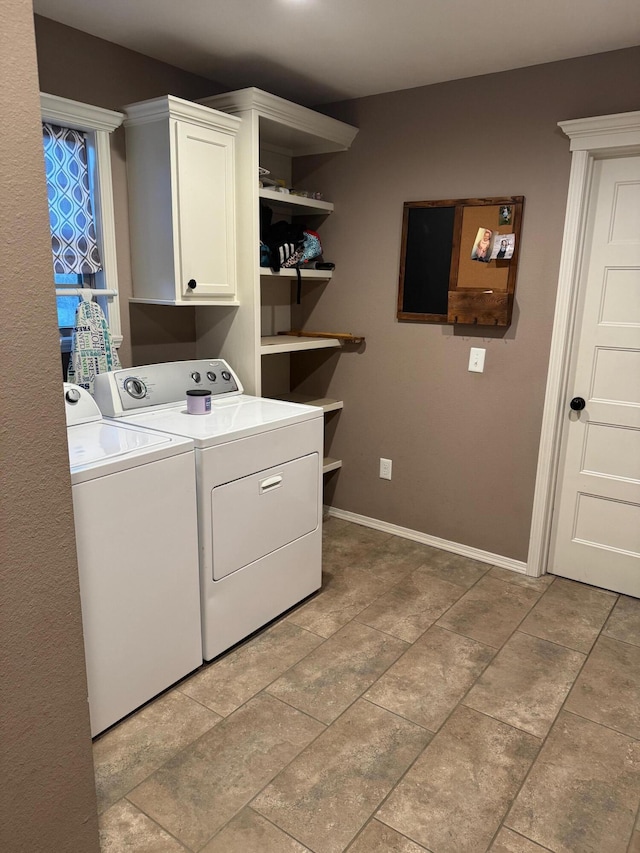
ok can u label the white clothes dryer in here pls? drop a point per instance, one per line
(259, 482)
(134, 503)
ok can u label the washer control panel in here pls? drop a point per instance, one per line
(132, 389)
(79, 405)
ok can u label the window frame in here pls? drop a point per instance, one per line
(97, 124)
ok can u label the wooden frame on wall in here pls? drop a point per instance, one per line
(440, 281)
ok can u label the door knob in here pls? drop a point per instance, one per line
(577, 404)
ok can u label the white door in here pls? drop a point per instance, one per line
(596, 525)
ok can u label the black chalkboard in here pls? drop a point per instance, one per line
(427, 260)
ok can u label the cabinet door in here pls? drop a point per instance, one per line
(205, 211)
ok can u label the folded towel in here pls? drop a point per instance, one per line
(92, 349)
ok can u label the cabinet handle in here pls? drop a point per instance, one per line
(270, 483)
(192, 283)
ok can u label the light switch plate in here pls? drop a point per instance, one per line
(476, 360)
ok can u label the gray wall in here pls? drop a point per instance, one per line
(464, 445)
(48, 802)
(112, 77)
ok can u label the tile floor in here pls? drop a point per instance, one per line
(420, 702)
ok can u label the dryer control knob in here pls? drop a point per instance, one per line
(211, 376)
(226, 375)
(72, 395)
(135, 388)
(196, 376)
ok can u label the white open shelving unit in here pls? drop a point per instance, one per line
(296, 204)
(272, 133)
(327, 404)
(318, 275)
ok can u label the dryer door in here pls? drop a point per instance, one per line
(258, 514)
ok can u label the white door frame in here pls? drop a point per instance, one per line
(591, 139)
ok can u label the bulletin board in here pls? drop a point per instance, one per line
(442, 278)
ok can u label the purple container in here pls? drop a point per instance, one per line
(199, 401)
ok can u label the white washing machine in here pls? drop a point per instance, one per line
(134, 503)
(259, 482)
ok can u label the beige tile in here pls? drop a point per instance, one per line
(510, 842)
(583, 791)
(427, 682)
(634, 844)
(195, 793)
(407, 610)
(378, 838)
(227, 683)
(520, 579)
(395, 558)
(249, 832)
(490, 611)
(570, 613)
(527, 683)
(332, 525)
(608, 689)
(455, 568)
(454, 797)
(124, 829)
(329, 679)
(624, 622)
(329, 792)
(137, 746)
(345, 593)
(352, 544)
(351, 533)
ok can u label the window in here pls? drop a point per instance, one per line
(76, 141)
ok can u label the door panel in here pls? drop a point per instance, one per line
(596, 531)
(206, 210)
(255, 515)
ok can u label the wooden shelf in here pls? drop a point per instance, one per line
(280, 343)
(295, 204)
(318, 275)
(329, 464)
(327, 404)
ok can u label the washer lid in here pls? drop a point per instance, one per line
(230, 418)
(100, 447)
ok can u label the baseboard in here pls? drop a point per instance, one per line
(434, 541)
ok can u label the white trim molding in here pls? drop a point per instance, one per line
(306, 131)
(591, 139)
(426, 539)
(97, 124)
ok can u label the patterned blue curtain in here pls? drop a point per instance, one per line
(73, 232)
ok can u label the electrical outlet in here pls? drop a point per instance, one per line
(476, 360)
(385, 469)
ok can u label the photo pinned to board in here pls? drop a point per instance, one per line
(505, 215)
(482, 245)
(503, 246)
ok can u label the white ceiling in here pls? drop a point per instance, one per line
(316, 51)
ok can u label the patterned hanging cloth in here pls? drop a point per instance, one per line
(73, 231)
(92, 349)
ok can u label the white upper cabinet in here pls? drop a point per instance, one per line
(181, 177)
